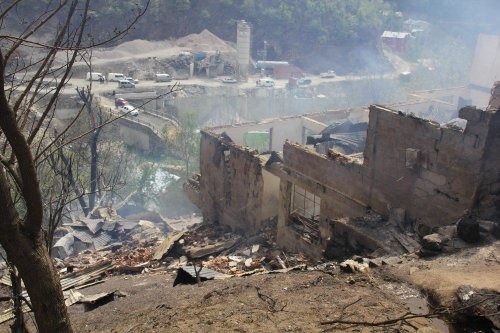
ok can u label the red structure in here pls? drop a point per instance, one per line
(286, 72)
(396, 41)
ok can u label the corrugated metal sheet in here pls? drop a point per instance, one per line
(206, 273)
(99, 240)
(83, 236)
(94, 225)
(395, 34)
(128, 225)
(73, 280)
(102, 239)
(110, 226)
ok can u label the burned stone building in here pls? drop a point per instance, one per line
(410, 170)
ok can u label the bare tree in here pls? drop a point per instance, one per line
(34, 70)
(184, 140)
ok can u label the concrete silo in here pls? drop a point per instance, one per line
(243, 35)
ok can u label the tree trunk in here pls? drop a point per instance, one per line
(40, 279)
(18, 326)
(72, 182)
(93, 169)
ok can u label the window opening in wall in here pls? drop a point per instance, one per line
(304, 213)
(258, 140)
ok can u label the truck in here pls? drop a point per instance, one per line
(163, 78)
(115, 77)
(94, 76)
(327, 75)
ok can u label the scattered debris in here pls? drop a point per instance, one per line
(473, 302)
(91, 302)
(352, 266)
(166, 245)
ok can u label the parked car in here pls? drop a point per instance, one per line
(125, 84)
(265, 82)
(327, 75)
(304, 82)
(229, 80)
(131, 79)
(120, 102)
(129, 109)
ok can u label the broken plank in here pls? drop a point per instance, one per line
(91, 302)
(408, 244)
(167, 244)
(201, 252)
(281, 262)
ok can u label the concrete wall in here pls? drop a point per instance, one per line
(236, 108)
(137, 135)
(282, 129)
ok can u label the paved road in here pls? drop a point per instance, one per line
(147, 84)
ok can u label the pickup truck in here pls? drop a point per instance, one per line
(327, 75)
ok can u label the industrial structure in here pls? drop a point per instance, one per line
(243, 38)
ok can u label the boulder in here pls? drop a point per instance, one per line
(432, 242)
(425, 253)
(468, 229)
(351, 266)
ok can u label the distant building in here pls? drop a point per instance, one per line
(287, 72)
(396, 41)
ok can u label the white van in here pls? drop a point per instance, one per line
(112, 77)
(163, 78)
(125, 84)
(94, 76)
(265, 82)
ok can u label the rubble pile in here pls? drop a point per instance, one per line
(127, 257)
(216, 248)
(94, 234)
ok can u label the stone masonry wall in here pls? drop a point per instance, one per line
(431, 172)
(231, 184)
(488, 197)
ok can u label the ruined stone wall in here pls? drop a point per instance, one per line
(338, 177)
(337, 180)
(231, 184)
(488, 196)
(433, 173)
(430, 171)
